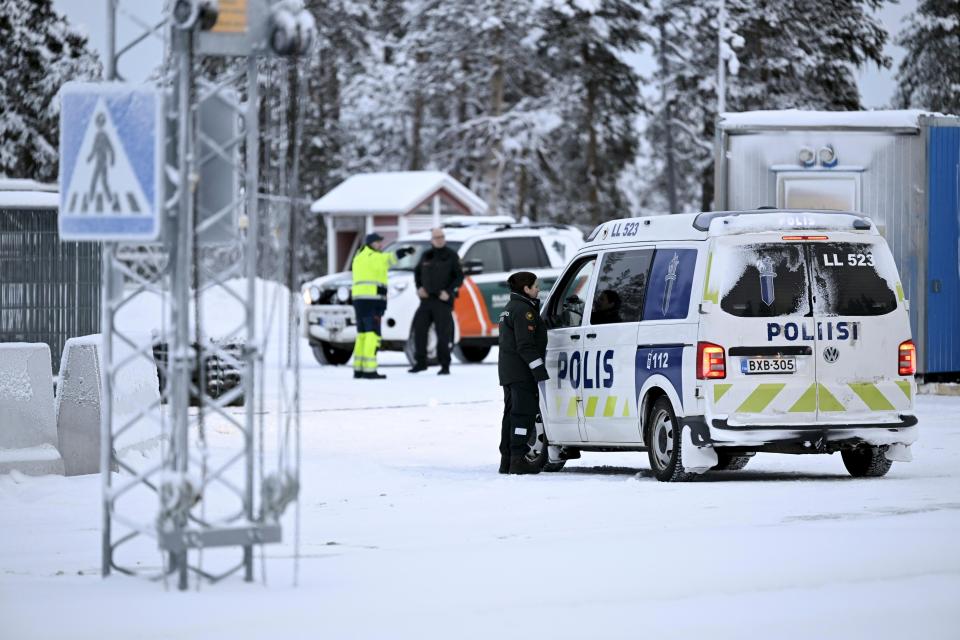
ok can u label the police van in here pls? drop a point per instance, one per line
(706, 338)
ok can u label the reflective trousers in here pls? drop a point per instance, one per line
(369, 314)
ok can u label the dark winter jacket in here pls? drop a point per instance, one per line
(439, 270)
(523, 342)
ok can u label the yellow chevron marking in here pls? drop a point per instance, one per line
(871, 396)
(905, 387)
(572, 408)
(610, 407)
(591, 409)
(826, 401)
(807, 403)
(713, 296)
(720, 390)
(758, 400)
(626, 408)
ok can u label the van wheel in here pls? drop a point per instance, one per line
(470, 355)
(866, 462)
(326, 353)
(728, 462)
(536, 459)
(663, 438)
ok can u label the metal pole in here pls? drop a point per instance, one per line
(106, 404)
(250, 353)
(106, 323)
(181, 281)
(111, 39)
(721, 63)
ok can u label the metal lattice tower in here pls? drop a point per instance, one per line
(197, 497)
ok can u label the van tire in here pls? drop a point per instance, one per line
(729, 462)
(663, 439)
(537, 460)
(866, 462)
(326, 353)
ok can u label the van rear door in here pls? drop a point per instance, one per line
(761, 316)
(861, 322)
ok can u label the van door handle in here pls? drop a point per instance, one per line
(575, 337)
(591, 335)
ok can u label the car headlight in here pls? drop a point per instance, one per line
(396, 288)
(307, 298)
(343, 294)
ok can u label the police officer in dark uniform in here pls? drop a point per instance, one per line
(437, 276)
(523, 347)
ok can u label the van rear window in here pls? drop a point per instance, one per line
(847, 280)
(764, 280)
(834, 278)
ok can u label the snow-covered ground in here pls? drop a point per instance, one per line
(409, 532)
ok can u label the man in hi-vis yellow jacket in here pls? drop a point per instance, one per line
(369, 294)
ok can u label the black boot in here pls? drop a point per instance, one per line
(417, 368)
(444, 371)
(518, 464)
(504, 464)
(357, 374)
(373, 375)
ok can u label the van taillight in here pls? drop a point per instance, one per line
(804, 238)
(711, 362)
(908, 358)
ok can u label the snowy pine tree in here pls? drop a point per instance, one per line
(779, 55)
(599, 98)
(929, 76)
(40, 52)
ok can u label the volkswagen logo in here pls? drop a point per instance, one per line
(830, 354)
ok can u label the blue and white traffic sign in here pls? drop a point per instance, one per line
(111, 162)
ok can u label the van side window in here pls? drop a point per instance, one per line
(765, 280)
(671, 279)
(566, 309)
(489, 253)
(621, 285)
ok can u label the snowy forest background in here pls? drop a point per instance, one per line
(531, 104)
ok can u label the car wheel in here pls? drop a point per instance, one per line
(326, 353)
(730, 462)
(866, 462)
(470, 355)
(409, 349)
(663, 439)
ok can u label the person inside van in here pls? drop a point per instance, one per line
(606, 308)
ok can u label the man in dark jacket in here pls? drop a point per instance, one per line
(438, 275)
(523, 348)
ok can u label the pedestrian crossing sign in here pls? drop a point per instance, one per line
(111, 162)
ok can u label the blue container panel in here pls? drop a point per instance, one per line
(943, 266)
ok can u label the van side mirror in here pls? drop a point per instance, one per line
(472, 267)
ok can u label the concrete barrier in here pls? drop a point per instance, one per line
(79, 403)
(28, 431)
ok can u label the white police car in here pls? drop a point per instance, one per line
(490, 247)
(706, 338)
